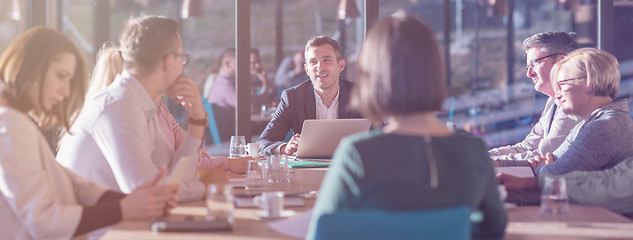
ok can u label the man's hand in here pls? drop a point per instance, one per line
(517, 183)
(292, 145)
(185, 92)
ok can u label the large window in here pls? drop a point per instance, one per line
(485, 93)
(13, 20)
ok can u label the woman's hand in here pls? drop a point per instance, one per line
(149, 200)
(214, 175)
(539, 161)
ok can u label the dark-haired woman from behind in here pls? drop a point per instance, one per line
(414, 162)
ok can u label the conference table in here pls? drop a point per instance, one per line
(525, 222)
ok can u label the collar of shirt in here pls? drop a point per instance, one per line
(147, 104)
(323, 112)
(223, 76)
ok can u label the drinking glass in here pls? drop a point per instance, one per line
(220, 202)
(554, 196)
(237, 147)
(503, 193)
(255, 175)
(277, 169)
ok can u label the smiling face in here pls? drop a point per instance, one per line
(572, 92)
(539, 64)
(323, 67)
(56, 84)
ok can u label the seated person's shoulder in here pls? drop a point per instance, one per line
(467, 145)
(299, 87)
(609, 122)
(364, 137)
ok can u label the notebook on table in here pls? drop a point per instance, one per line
(319, 138)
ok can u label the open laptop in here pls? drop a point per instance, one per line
(319, 138)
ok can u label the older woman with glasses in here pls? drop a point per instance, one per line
(586, 83)
(596, 159)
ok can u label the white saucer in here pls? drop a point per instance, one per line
(284, 214)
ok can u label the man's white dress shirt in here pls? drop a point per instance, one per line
(116, 141)
(324, 112)
(546, 136)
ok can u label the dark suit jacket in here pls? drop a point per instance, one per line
(298, 104)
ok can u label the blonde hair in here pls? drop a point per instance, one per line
(599, 68)
(109, 64)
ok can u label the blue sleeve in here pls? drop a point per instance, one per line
(610, 188)
(277, 128)
(494, 214)
(597, 146)
(340, 186)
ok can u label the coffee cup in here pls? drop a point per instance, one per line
(271, 202)
(252, 149)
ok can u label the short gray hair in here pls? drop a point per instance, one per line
(551, 42)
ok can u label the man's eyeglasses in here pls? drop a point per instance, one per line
(538, 60)
(185, 57)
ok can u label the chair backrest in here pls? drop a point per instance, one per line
(213, 125)
(445, 223)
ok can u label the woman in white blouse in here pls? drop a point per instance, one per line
(42, 84)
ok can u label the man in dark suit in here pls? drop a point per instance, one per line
(325, 96)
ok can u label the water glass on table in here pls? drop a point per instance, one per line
(220, 204)
(277, 169)
(255, 175)
(554, 197)
(237, 147)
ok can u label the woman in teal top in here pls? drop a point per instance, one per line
(414, 162)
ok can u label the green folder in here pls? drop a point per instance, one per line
(307, 164)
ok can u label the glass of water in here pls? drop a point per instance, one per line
(220, 202)
(256, 175)
(277, 169)
(237, 147)
(554, 196)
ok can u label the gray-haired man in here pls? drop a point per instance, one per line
(542, 51)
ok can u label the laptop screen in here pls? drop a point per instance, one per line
(320, 138)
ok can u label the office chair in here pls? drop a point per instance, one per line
(213, 126)
(446, 223)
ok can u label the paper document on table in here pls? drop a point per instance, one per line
(296, 227)
(237, 182)
(288, 202)
(516, 171)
